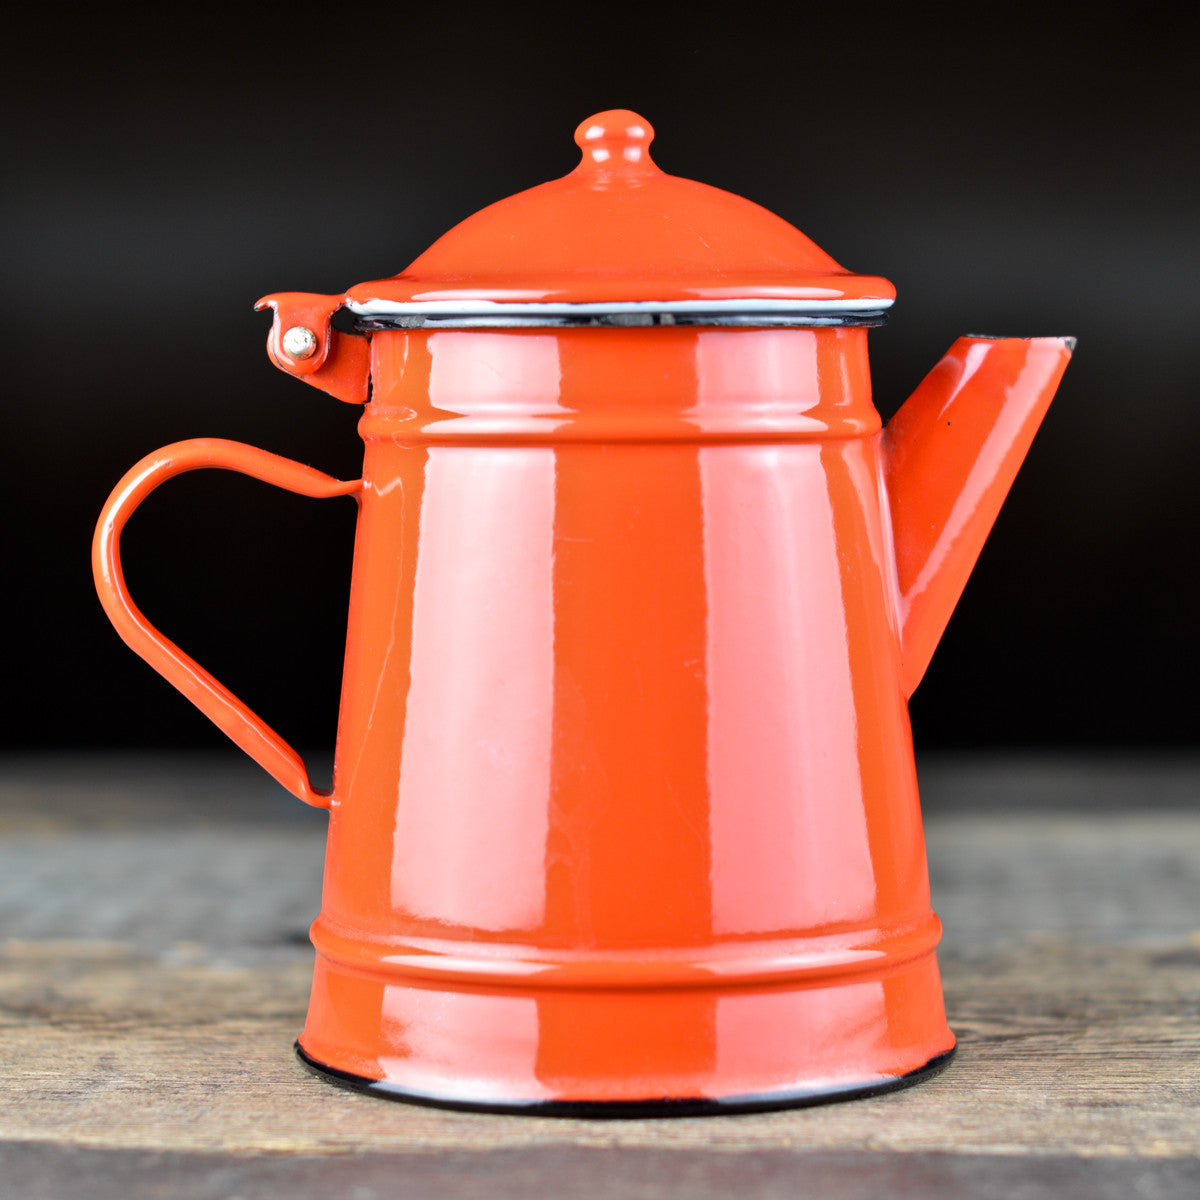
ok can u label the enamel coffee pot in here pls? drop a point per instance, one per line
(624, 815)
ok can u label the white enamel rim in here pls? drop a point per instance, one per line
(488, 308)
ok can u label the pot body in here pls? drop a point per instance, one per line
(625, 810)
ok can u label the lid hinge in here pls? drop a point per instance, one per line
(304, 343)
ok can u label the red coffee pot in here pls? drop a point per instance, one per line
(624, 815)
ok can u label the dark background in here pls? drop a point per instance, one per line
(1012, 173)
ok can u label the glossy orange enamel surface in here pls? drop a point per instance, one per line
(618, 228)
(624, 806)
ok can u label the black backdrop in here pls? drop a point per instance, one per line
(1017, 174)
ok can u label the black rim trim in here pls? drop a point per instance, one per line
(671, 1106)
(623, 320)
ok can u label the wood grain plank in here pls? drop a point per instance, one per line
(1078, 1046)
(36, 1171)
(155, 974)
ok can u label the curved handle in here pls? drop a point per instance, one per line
(213, 699)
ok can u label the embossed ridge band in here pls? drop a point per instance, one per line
(812, 961)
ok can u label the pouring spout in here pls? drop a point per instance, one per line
(950, 455)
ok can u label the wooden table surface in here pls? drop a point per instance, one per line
(153, 923)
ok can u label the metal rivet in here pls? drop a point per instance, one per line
(299, 342)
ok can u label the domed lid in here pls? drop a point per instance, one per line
(620, 241)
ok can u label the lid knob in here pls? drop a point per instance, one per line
(617, 139)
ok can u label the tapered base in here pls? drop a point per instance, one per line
(610, 1041)
(667, 1106)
